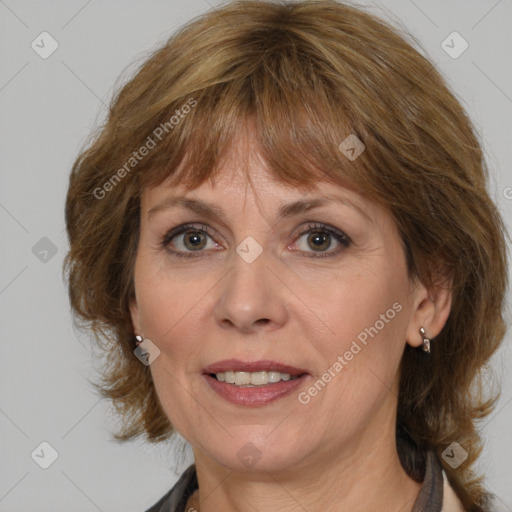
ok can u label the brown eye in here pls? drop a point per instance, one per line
(194, 240)
(320, 238)
(187, 240)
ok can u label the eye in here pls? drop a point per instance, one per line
(320, 237)
(194, 241)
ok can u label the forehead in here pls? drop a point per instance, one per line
(236, 181)
(233, 191)
(243, 171)
(242, 176)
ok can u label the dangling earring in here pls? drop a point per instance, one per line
(426, 341)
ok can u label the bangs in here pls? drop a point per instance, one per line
(292, 114)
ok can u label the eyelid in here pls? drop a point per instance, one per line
(304, 228)
(312, 225)
(182, 228)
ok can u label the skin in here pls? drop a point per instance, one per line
(338, 451)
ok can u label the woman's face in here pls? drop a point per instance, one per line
(322, 290)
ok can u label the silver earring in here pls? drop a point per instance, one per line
(139, 339)
(426, 341)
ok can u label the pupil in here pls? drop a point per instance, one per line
(192, 239)
(321, 238)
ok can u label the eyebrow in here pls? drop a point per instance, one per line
(285, 211)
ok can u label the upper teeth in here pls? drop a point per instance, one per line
(253, 378)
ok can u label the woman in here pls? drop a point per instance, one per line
(284, 239)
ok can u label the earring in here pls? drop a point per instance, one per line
(139, 339)
(426, 341)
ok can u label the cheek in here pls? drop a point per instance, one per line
(362, 306)
(359, 362)
(168, 310)
(166, 300)
(366, 320)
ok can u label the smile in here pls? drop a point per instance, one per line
(252, 379)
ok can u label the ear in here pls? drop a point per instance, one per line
(134, 313)
(431, 311)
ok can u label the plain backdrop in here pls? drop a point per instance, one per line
(48, 106)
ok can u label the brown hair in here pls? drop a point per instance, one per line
(307, 74)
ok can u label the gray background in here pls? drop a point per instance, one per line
(47, 108)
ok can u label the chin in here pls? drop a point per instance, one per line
(255, 452)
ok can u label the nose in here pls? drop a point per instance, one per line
(251, 296)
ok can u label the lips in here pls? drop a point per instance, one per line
(235, 365)
(257, 393)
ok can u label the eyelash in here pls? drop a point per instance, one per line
(338, 235)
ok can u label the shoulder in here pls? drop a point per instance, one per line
(176, 499)
(451, 502)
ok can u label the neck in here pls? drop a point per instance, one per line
(361, 478)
